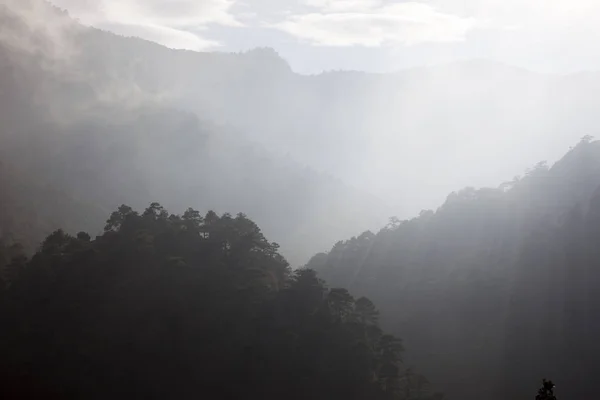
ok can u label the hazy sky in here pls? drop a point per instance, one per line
(372, 35)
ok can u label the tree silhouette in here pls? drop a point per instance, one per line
(163, 305)
(546, 392)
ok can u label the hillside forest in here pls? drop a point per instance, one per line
(178, 224)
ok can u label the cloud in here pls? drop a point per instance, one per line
(531, 33)
(170, 37)
(344, 5)
(173, 23)
(524, 11)
(371, 23)
(36, 31)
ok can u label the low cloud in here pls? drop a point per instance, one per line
(174, 23)
(530, 33)
(344, 5)
(370, 23)
(170, 37)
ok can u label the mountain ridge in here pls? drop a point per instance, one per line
(473, 286)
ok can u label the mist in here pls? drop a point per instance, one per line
(359, 199)
(469, 123)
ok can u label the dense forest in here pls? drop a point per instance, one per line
(496, 288)
(180, 306)
(490, 293)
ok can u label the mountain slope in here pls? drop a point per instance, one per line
(478, 286)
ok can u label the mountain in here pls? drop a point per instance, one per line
(29, 208)
(79, 132)
(408, 138)
(369, 130)
(494, 289)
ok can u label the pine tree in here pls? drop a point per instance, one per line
(546, 392)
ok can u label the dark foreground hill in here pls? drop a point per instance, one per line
(184, 306)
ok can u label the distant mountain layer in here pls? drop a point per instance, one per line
(409, 137)
(74, 125)
(497, 288)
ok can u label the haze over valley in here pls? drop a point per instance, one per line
(427, 227)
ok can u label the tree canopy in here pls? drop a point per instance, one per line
(179, 306)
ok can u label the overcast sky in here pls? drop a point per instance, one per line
(372, 35)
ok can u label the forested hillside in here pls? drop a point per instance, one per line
(491, 292)
(496, 288)
(183, 306)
